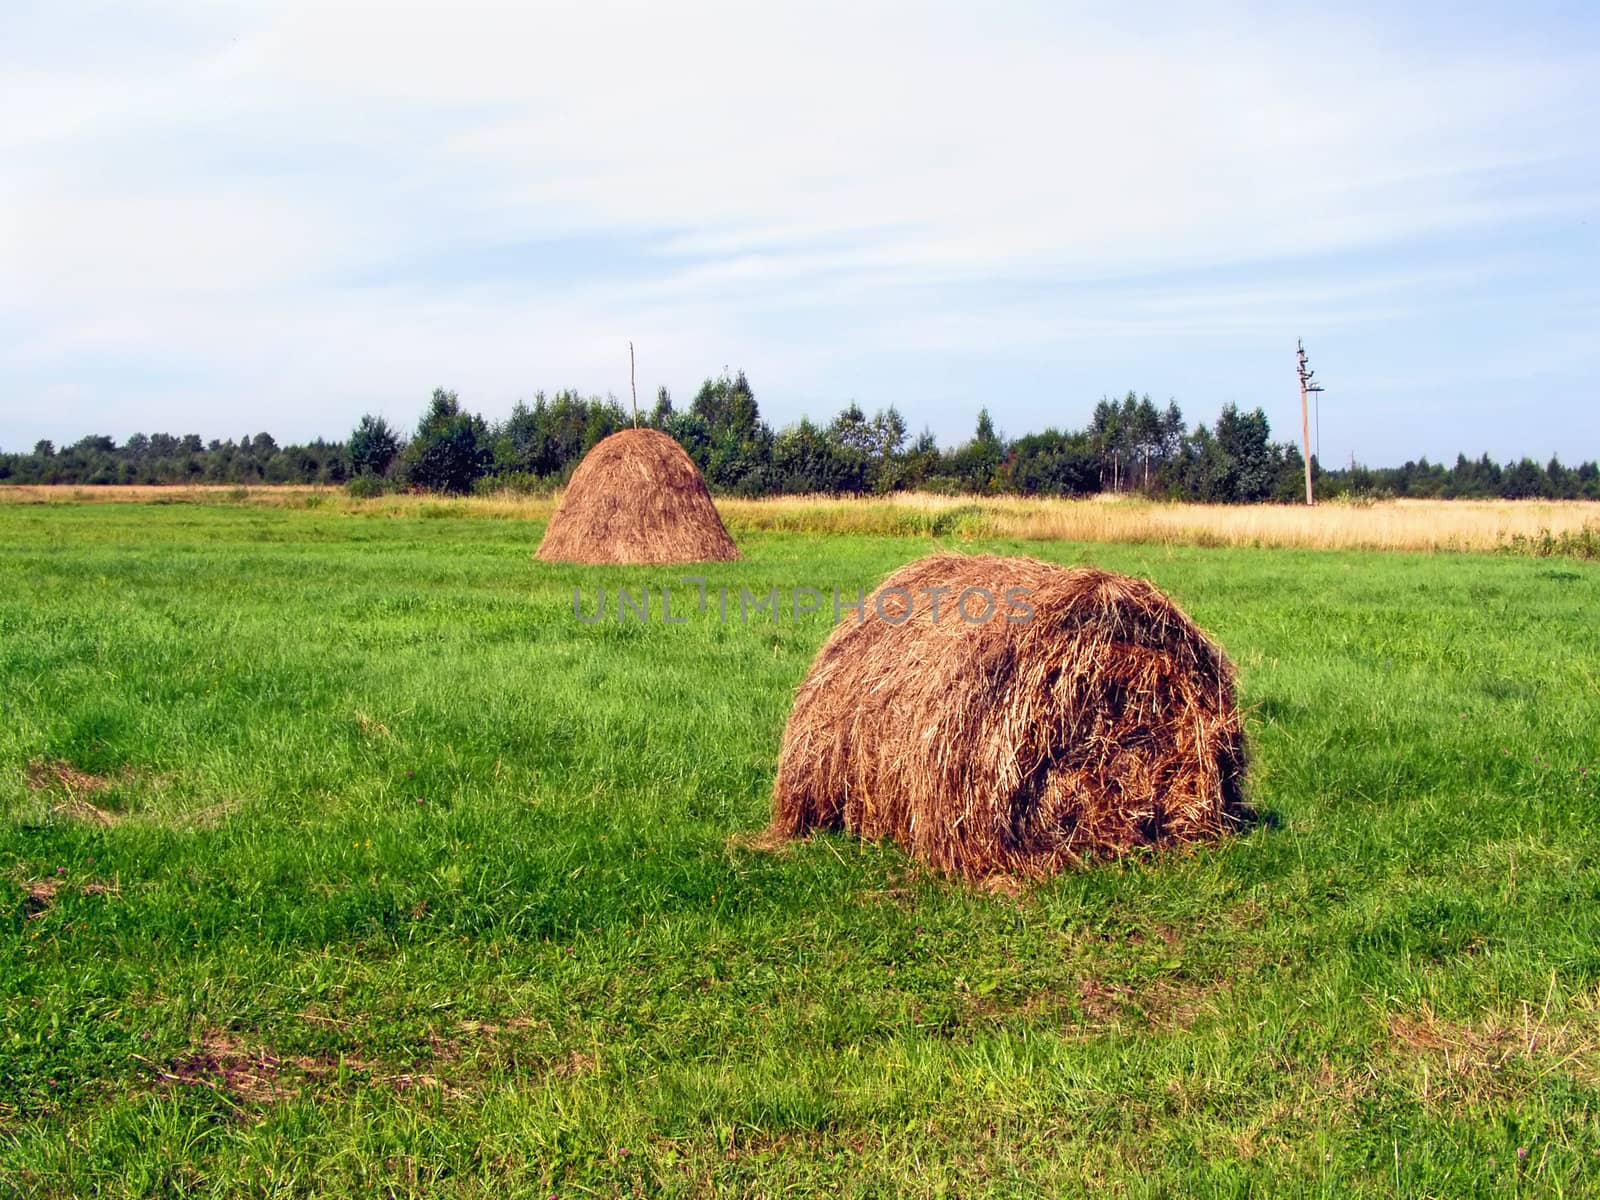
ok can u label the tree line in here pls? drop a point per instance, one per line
(1130, 445)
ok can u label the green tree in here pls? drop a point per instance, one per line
(1051, 464)
(888, 437)
(1524, 481)
(1588, 480)
(1245, 442)
(807, 461)
(662, 413)
(921, 463)
(1106, 436)
(450, 451)
(1289, 481)
(852, 443)
(738, 454)
(373, 447)
(728, 407)
(1204, 469)
(976, 464)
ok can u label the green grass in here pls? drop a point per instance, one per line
(418, 886)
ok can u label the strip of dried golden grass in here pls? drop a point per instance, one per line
(1452, 525)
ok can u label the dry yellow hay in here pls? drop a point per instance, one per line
(636, 498)
(1104, 722)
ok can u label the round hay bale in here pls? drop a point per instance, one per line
(1102, 722)
(636, 498)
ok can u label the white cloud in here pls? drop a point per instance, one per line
(206, 185)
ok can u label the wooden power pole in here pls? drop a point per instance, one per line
(1307, 386)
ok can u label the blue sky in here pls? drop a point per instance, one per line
(228, 217)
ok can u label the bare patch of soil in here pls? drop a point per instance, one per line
(44, 776)
(37, 897)
(223, 1062)
(575, 1063)
(252, 1076)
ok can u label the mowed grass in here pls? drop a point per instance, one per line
(338, 858)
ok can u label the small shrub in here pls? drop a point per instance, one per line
(515, 483)
(965, 520)
(1358, 499)
(367, 487)
(1569, 543)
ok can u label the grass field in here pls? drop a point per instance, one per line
(338, 858)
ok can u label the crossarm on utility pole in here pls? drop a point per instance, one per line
(1307, 386)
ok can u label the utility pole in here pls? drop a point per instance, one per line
(1307, 386)
(633, 386)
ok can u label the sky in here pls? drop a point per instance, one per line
(223, 218)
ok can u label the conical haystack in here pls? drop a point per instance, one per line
(636, 498)
(1086, 716)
